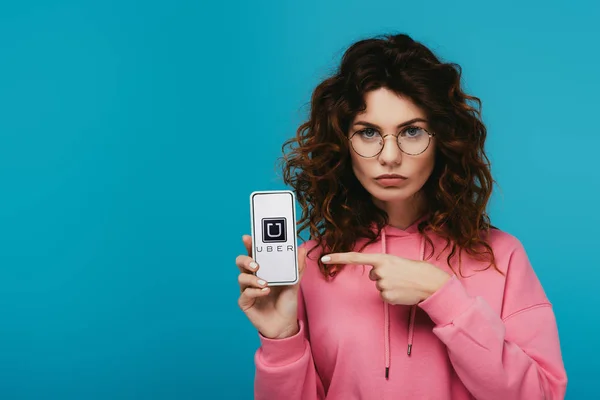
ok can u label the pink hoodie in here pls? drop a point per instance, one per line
(484, 336)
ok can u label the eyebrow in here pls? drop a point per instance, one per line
(370, 125)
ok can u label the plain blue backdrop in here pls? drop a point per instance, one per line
(132, 133)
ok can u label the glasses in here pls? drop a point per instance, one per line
(413, 141)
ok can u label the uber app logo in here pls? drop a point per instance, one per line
(274, 230)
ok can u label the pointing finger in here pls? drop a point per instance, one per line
(354, 258)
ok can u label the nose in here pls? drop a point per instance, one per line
(391, 153)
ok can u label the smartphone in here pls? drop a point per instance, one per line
(274, 241)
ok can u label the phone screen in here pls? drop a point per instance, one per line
(274, 243)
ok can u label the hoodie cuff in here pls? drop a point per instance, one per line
(450, 301)
(278, 352)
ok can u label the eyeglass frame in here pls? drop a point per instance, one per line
(429, 135)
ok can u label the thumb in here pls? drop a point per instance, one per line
(374, 275)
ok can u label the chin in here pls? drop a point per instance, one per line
(391, 194)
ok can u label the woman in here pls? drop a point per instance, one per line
(407, 291)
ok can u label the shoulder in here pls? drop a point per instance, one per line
(502, 241)
(506, 248)
(313, 250)
(309, 245)
(509, 252)
(522, 287)
(516, 287)
(312, 277)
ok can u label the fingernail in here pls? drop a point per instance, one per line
(264, 289)
(253, 265)
(261, 282)
(325, 258)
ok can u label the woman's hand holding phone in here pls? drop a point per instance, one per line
(272, 310)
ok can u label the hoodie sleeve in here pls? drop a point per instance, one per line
(515, 355)
(285, 368)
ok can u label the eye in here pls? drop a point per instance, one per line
(414, 132)
(369, 133)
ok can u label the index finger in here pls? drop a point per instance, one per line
(353, 258)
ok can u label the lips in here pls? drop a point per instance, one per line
(391, 176)
(391, 180)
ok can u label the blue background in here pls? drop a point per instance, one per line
(132, 133)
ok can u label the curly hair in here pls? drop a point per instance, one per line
(336, 208)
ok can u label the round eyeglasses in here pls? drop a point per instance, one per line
(412, 140)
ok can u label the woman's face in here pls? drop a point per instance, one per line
(387, 116)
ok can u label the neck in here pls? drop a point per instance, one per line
(403, 213)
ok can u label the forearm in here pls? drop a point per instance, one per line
(498, 359)
(285, 369)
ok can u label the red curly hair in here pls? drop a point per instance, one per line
(335, 207)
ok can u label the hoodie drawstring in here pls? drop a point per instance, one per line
(386, 316)
(386, 310)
